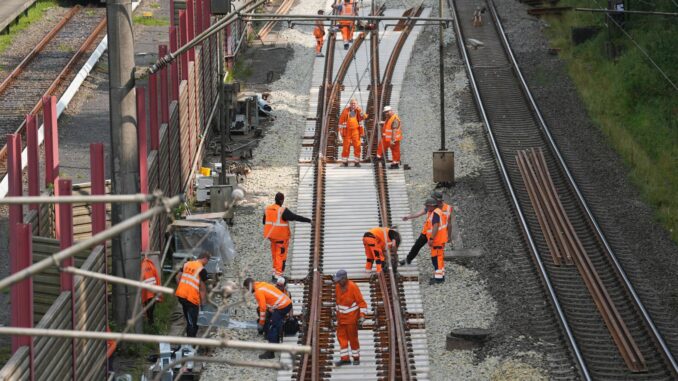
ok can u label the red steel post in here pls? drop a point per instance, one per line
(51, 139)
(15, 188)
(174, 66)
(190, 24)
(198, 16)
(172, 13)
(64, 223)
(33, 159)
(98, 180)
(143, 160)
(164, 97)
(23, 291)
(183, 36)
(153, 110)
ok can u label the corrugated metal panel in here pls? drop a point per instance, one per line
(175, 149)
(16, 369)
(184, 133)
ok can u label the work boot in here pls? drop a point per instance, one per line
(356, 361)
(345, 46)
(433, 281)
(320, 55)
(394, 166)
(274, 278)
(342, 362)
(357, 164)
(403, 262)
(345, 164)
(267, 355)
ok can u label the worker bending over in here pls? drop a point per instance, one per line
(319, 34)
(377, 241)
(347, 8)
(351, 131)
(269, 299)
(351, 309)
(149, 275)
(191, 290)
(421, 240)
(435, 234)
(391, 135)
(277, 230)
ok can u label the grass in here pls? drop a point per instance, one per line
(627, 97)
(35, 13)
(240, 71)
(150, 21)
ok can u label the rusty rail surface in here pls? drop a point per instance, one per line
(268, 27)
(56, 83)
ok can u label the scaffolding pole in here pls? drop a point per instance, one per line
(75, 199)
(118, 280)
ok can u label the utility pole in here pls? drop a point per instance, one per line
(442, 77)
(124, 154)
(224, 116)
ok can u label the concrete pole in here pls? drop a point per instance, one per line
(442, 77)
(224, 118)
(124, 154)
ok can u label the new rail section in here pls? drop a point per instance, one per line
(608, 329)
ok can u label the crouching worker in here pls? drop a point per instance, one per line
(351, 308)
(277, 303)
(376, 241)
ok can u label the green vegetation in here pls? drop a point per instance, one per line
(34, 14)
(150, 21)
(627, 96)
(241, 71)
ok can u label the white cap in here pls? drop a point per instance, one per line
(387, 108)
(281, 280)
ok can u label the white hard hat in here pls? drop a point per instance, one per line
(281, 280)
(387, 108)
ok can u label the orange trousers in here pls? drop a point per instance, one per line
(395, 150)
(347, 30)
(438, 261)
(319, 44)
(373, 254)
(352, 138)
(348, 334)
(279, 255)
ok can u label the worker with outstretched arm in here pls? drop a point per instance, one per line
(277, 230)
(435, 234)
(376, 241)
(149, 275)
(319, 34)
(351, 309)
(421, 240)
(347, 8)
(191, 290)
(351, 131)
(391, 135)
(269, 299)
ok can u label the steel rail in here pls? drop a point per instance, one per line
(573, 184)
(580, 362)
(282, 10)
(38, 48)
(59, 79)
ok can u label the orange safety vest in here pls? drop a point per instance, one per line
(441, 236)
(276, 227)
(388, 131)
(189, 284)
(381, 234)
(351, 121)
(350, 304)
(149, 275)
(269, 296)
(319, 31)
(447, 209)
(346, 10)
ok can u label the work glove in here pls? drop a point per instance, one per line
(361, 320)
(260, 329)
(403, 262)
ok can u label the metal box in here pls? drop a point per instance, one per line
(443, 167)
(221, 7)
(219, 196)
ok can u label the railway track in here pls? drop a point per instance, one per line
(47, 70)
(609, 330)
(345, 203)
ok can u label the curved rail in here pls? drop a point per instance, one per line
(514, 199)
(268, 27)
(554, 147)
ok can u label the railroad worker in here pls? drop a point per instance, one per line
(421, 240)
(377, 241)
(446, 209)
(347, 8)
(391, 135)
(277, 230)
(351, 309)
(269, 299)
(149, 275)
(435, 234)
(351, 131)
(191, 290)
(319, 34)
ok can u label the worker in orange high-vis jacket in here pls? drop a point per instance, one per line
(351, 131)
(351, 309)
(277, 230)
(446, 209)
(277, 303)
(422, 240)
(149, 275)
(319, 34)
(191, 290)
(377, 241)
(347, 8)
(436, 235)
(391, 135)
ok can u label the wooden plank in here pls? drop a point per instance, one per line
(16, 366)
